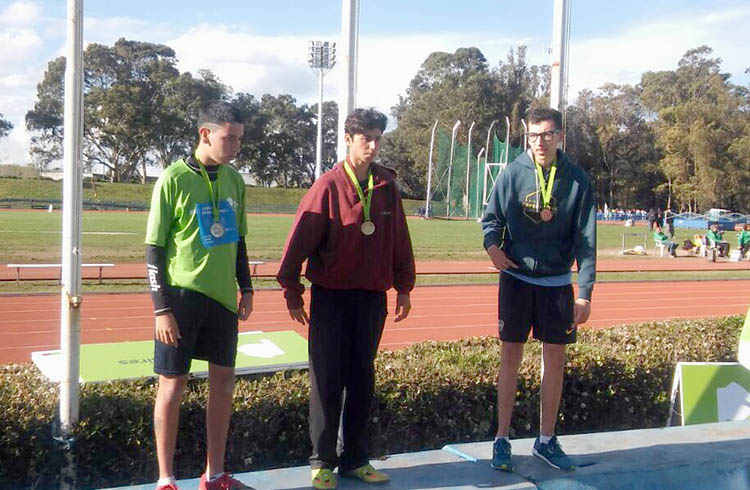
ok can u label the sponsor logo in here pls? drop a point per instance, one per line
(571, 329)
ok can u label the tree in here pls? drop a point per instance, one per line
(138, 109)
(702, 128)
(459, 86)
(5, 127)
(608, 135)
(288, 148)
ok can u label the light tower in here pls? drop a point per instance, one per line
(322, 59)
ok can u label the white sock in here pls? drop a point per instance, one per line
(215, 477)
(166, 481)
(544, 439)
(507, 439)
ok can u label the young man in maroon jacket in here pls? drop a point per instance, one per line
(351, 229)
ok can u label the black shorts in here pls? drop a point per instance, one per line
(549, 309)
(208, 330)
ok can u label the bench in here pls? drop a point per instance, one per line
(254, 266)
(18, 268)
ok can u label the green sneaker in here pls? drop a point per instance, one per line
(552, 454)
(501, 455)
(367, 474)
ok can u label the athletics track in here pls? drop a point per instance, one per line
(32, 322)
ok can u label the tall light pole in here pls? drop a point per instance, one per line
(322, 59)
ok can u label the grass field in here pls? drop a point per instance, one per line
(28, 236)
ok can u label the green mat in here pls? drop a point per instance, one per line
(257, 352)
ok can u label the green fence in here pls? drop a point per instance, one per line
(452, 177)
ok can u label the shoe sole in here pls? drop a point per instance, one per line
(502, 467)
(543, 458)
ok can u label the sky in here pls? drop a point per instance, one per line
(260, 46)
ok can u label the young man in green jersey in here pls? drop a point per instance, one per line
(541, 216)
(196, 257)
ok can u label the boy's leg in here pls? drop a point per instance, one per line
(515, 307)
(166, 420)
(507, 382)
(218, 415)
(327, 333)
(553, 357)
(367, 330)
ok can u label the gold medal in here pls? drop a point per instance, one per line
(217, 230)
(546, 214)
(368, 228)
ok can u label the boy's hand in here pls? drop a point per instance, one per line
(403, 306)
(581, 311)
(499, 259)
(245, 306)
(166, 330)
(299, 315)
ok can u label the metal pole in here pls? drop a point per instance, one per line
(507, 139)
(450, 168)
(70, 298)
(468, 162)
(525, 132)
(559, 47)
(319, 142)
(429, 172)
(479, 182)
(486, 167)
(349, 35)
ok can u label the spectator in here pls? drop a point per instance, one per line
(660, 237)
(743, 240)
(715, 237)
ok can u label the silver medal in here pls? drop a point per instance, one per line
(368, 228)
(217, 230)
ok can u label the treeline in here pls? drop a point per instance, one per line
(679, 138)
(139, 110)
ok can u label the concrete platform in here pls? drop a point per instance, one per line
(709, 456)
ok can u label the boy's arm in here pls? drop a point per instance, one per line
(585, 242)
(309, 228)
(157, 278)
(244, 280)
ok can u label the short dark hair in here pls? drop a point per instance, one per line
(219, 112)
(362, 120)
(540, 114)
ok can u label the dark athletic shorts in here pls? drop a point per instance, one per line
(548, 309)
(208, 330)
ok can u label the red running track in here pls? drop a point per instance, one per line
(31, 323)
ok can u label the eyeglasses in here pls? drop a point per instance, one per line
(546, 136)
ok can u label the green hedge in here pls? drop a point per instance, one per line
(427, 395)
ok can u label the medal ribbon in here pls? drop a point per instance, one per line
(366, 201)
(546, 187)
(214, 198)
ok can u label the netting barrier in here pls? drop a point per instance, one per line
(467, 196)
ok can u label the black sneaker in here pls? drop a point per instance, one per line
(501, 455)
(552, 454)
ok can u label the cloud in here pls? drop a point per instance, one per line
(656, 46)
(20, 13)
(278, 65)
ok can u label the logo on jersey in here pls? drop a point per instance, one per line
(532, 204)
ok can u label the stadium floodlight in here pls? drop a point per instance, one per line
(322, 58)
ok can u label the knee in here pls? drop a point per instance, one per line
(171, 388)
(512, 354)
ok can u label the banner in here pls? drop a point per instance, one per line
(257, 352)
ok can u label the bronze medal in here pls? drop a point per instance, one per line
(217, 230)
(546, 214)
(368, 228)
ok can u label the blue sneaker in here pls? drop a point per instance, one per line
(501, 455)
(552, 454)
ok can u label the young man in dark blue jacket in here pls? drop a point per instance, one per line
(541, 216)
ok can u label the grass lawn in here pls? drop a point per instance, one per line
(28, 236)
